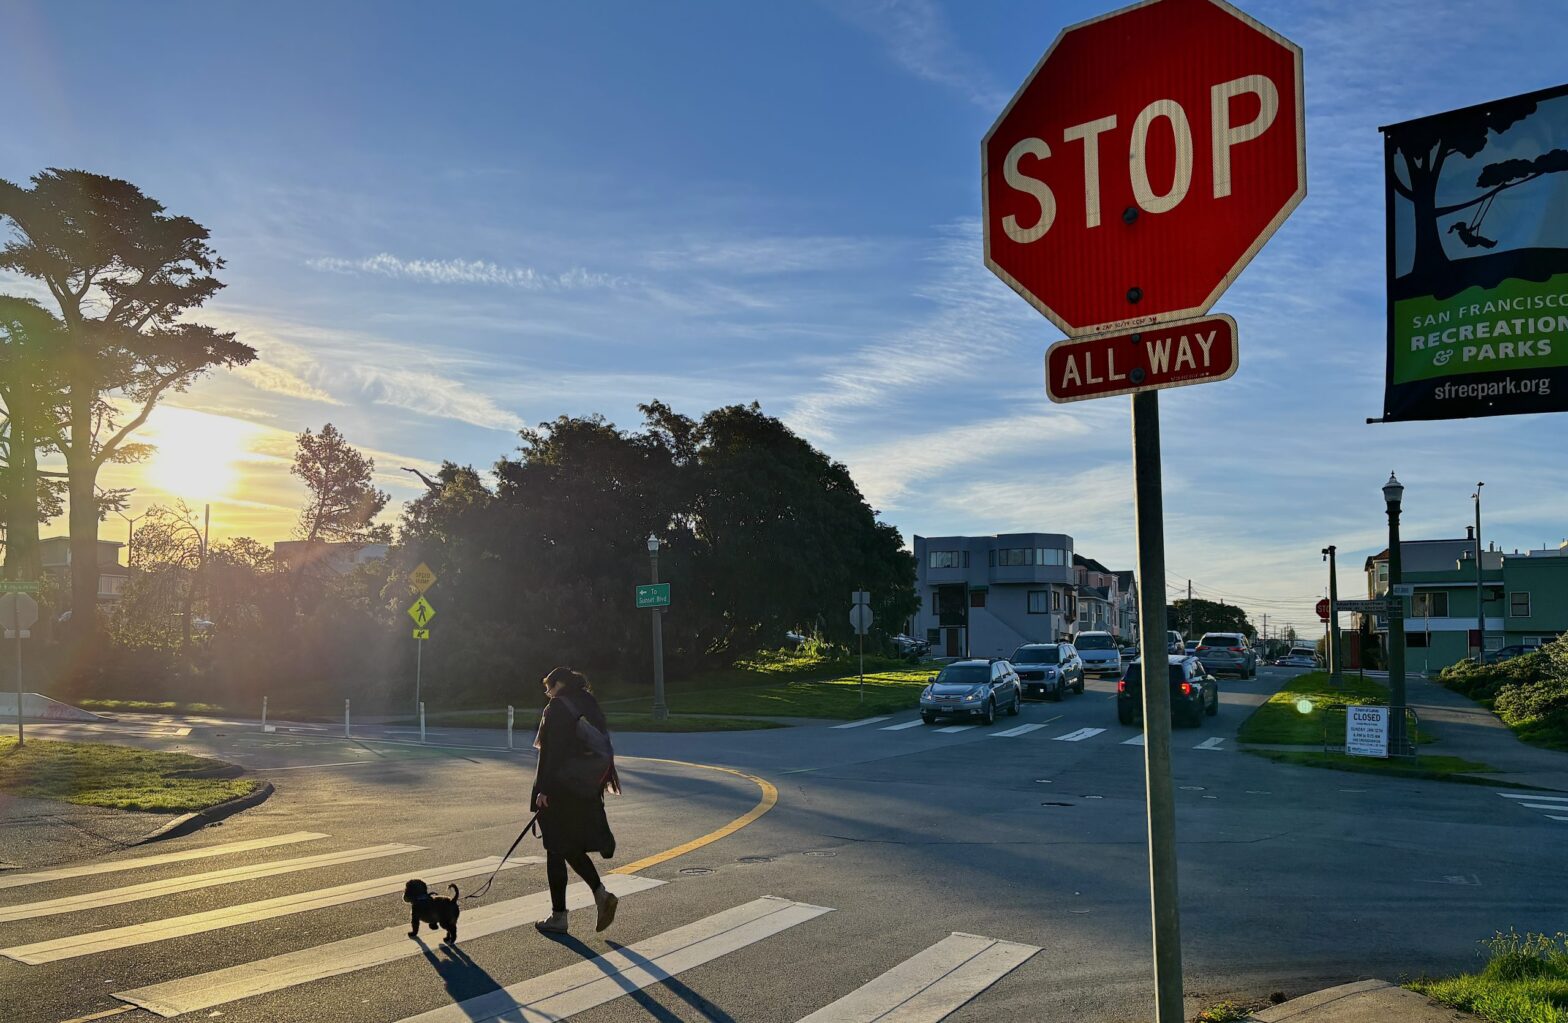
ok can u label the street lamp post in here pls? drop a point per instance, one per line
(1335, 652)
(660, 711)
(1480, 599)
(1393, 493)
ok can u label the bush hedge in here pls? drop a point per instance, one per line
(1529, 693)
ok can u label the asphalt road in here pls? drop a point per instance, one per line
(885, 841)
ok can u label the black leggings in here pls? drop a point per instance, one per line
(555, 869)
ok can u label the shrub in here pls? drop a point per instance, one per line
(1532, 701)
(1515, 956)
(1485, 681)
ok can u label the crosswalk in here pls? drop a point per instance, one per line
(889, 723)
(928, 986)
(1552, 807)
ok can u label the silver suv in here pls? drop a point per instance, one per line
(1227, 652)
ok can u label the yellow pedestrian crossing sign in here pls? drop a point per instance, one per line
(421, 612)
(421, 633)
(422, 578)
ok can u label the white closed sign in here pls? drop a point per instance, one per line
(1366, 731)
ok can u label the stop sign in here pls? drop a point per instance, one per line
(1323, 609)
(1142, 163)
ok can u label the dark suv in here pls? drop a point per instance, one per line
(1048, 669)
(1194, 693)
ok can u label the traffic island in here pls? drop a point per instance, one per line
(118, 777)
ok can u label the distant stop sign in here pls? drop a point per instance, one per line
(1323, 609)
(1143, 162)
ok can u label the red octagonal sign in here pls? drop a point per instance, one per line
(1144, 161)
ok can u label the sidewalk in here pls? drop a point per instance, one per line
(1466, 729)
(1365, 1001)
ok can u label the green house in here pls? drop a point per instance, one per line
(1524, 597)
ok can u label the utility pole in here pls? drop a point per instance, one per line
(1335, 654)
(1190, 613)
(1480, 600)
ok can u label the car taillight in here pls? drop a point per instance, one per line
(1186, 689)
(1121, 686)
(1201, 649)
(1238, 649)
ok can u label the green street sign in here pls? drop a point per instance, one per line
(653, 595)
(18, 586)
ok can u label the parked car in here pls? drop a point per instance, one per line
(1048, 670)
(1128, 653)
(1189, 647)
(908, 646)
(1099, 653)
(1174, 643)
(1506, 653)
(1227, 652)
(1194, 692)
(973, 688)
(1300, 657)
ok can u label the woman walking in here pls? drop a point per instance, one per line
(571, 811)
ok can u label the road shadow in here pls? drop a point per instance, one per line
(464, 978)
(706, 1009)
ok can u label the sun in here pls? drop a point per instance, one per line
(198, 454)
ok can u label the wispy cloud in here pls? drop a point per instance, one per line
(431, 395)
(277, 379)
(918, 40)
(768, 255)
(465, 271)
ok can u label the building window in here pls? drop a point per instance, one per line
(1418, 639)
(992, 556)
(1494, 642)
(933, 636)
(1429, 605)
(944, 559)
(936, 602)
(1519, 604)
(977, 598)
(1037, 602)
(1056, 600)
(1015, 556)
(1049, 556)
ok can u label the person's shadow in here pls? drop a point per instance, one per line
(710, 1012)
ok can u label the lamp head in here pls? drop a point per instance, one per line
(1393, 490)
(653, 544)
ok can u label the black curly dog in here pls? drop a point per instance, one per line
(435, 910)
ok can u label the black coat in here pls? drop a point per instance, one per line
(571, 823)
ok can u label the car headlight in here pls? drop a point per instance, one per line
(972, 697)
(925, 694)
(1050, 673)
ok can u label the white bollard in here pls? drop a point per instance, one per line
(421, 721)
(345, 719)
(263, 713)
(510, 714)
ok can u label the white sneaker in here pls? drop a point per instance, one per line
(555, 923)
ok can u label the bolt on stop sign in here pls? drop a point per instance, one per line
(1144, 161)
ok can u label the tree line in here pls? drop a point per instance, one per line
(537, 558)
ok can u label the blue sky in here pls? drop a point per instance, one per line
(444, 222)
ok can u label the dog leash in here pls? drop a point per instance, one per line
(532, 825)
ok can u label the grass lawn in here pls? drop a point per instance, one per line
(1433, 768)
(1525, 981)
(1294, 715)
(835, 697)
(149, 706)
(118, 777)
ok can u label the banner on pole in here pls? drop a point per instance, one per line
(1478, 260)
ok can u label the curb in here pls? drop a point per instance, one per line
(186, 824)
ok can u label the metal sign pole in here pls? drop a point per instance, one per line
(419, 663)
(20, 737)
(1150, 521)
(862, 666)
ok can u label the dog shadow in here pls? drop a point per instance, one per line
(464, 978)
(708, 1011)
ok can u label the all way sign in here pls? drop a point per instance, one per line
(1168, 355)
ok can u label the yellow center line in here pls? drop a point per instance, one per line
(770, 797)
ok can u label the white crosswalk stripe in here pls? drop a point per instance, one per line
(1533, 795)
(864, 721)
(1136, 740)
(1013, 733)
(950, 729)
(1080, 735)
(1213, 743)
(902, 725)
(246, 980)
(114, 866)
(930, 986)
(566, 992)
(1555, 805)
(194, 882)
(72, 946)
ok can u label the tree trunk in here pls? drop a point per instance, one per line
(22, 560)
(1429, 254)
(82, 479)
